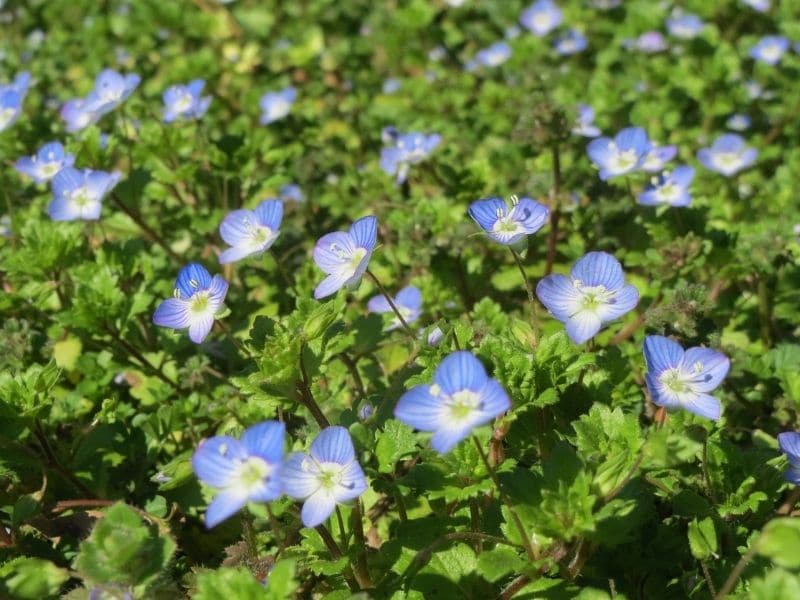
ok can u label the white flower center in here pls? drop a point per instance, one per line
(81, 196)
(6, 115)
(252, 472)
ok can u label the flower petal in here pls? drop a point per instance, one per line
(707, 367)
(494, 401)
(661, 353)
(460, 371)
(330, 285)
(216, 460)
(300, 476)
(333, 250)
(223, 506)
(624, 301)
(443, 440)
(192, 277)
(333, 444)
(789, 442)
(704, 406)
(317, 508)
(365, 232)
(353, 483)
(173, 312)
(237, 227)
(559, 296)
(484, 212)
(419, 409)
(409, 297)
(265, 440)
(200, 326)
(379, 304)
(599, 268)
(583, 326)
(270, 214)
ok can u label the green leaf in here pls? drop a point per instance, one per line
(231, 583)
(394, 442)
(31, 578)
(780, 542)
(703, 538)
(496, 563)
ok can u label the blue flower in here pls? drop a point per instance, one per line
(291, 192)
(408, 301)
(77, 115)
(250, 232)
(110, 90)
(658, 157)
(738, 122)
(541, 17)
(196, 299)
(572, 42)
(770, 49)
(391, 85)
(493, 56)
(727, 155)
(789, 442)
(650, 42)
(11, 97)
(624, 154)
(407, 149)
(78, 195)
(43, 166)
(594, 294)
(671, 188)
(344, 255)
(509, 225)
(585, 123)
(759, 5)
(246, 470)
(682, 379)
(461, 397)
(606, 4)
(328, 475)
(276, 105)
(185, 102)
(435, 336)
(685, 26)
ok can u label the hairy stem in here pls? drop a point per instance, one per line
(396, 310)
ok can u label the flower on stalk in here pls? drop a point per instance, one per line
(277, 105)
(683, 379)
(572, 42)
(727, 155)
(250, 232)
(328, 475)
(685, 26)
(245, 470)
(461, 397)
(584, 125)
(197, 298)
(12, 95)
(406, 149)
(622, 155)
(43, 166)
(291, 192)
(344, 255)
(594, 294)
(408, 301)
(110, 90)
(493, 56)
(78, 195)
(670, 188)
(541, 17)
(185, 102)
(789, 442)
(77, 115)
(509, 225)
(658, 157)
(738, 122)
(770, 49)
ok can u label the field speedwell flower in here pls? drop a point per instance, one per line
(682, 379)
(43, 166)
(11, 97)
(770, 49)
(197, 298)
(727, 155)
(408, 301)
(250, 232)
(328, 475)
(344, 255)
(789, 442)
(246, 470)
(277, 105)
(624, 154)
(509, 225)
(541, 17)
(185, 102)
(671, 188)
(594, 294)
(78, 195)
(407, 149)
(461, 397)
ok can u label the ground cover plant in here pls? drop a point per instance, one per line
(399, 299)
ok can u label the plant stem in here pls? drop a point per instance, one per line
(706, 475)
(528, 287)
(555, 211)
(730, 582)
(360, 569)
(307, 398)
(526, 540)
(151, 233)
(393, 306)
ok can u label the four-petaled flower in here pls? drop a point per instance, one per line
(43, 166)
(493, 56)
(196, 300)
(727, 155)
(408, 301)
(789, 442)
(461, 397)
(624, 154)
(185, 102)
(541, 17)
(344, 255)
(328, 475)
(407, 149)
(250, 232)
(671, 188)
(572, 42)
(685, 26)
(594, 294)
(110, 90)
(509, 225)
(11, 97)
(584, 125)
(246, 470)
(658, 157)
(78, 195)
(682, 379)
(276, 105)
(770, 49)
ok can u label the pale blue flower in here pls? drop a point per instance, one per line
(12, 96)
(770, 49)
(344, 256)
(509, 225)
(78, 195)
(110, 90)
(571, 42)
(593, 294)
(685, 26)
(185, 101)
(391, 85)
(541, 17)
(493, 56)
(77, 115)
(759, 5)
(622, 155)
(461, 398)
(789, 442)
(683, 379)
(658, 157)
(291, 192)
(407, 149)
(277, 105)
(245, 470)
(584, 125)
(408, 301)
(43, 166)
(328, 475)
(739, 122)
(670, 188)
(727, 155)
(197, 298)
(650, 42)
(250, 232)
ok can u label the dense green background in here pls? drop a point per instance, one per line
(99, 405)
